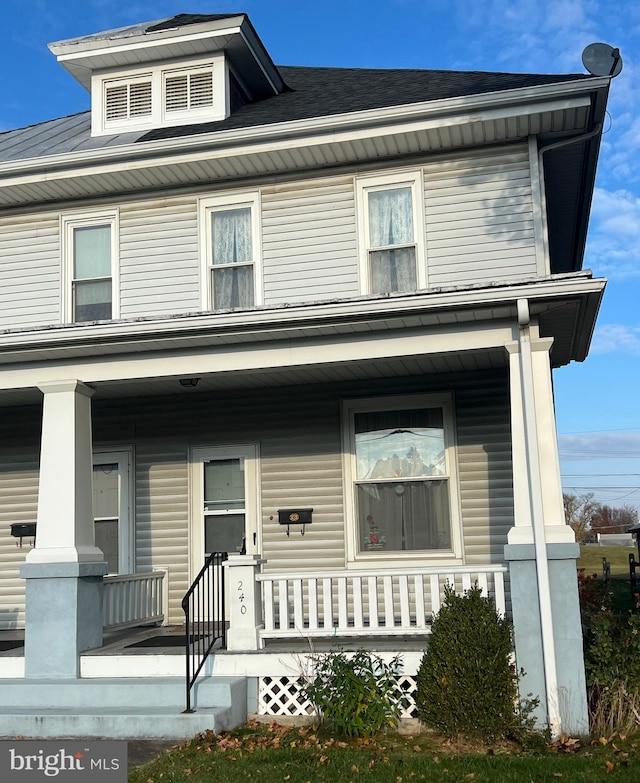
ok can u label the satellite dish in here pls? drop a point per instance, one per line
(600, 59)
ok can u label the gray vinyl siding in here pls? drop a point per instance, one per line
(161, 518)
(18, 503)
(159, 262)
(479, 219)
(479, 227)
(19, 461)
(309, 249)
(29, 271)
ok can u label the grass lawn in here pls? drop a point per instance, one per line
(618, 557)
(619, 584)
(257, 753)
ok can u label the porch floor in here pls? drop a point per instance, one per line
(130, 641)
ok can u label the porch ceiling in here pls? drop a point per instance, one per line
(294, 376)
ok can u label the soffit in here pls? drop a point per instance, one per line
(226, 158)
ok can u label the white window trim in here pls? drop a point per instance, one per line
(365, 185)
(158, 117)
(126, 526)
(68, 224)
(206, 206)
(357, 559)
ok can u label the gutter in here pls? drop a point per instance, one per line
(280, 319)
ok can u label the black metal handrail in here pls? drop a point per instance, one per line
(205, 622)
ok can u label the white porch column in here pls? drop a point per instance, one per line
(244, 597)
(541, 548)
(64, 571)
(65, 531)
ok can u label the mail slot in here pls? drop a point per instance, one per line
(23, 529)
(295, 516)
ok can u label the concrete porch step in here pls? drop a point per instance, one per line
(113, 723)
(119, 692)
(122, 708)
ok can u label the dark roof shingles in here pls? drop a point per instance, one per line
(318, 92)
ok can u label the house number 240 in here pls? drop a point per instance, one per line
(241, 598)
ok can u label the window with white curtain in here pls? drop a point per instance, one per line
(230, 246)
(89, 256)
(391, 233)
(401, 468)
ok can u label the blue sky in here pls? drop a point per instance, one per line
(598, 411)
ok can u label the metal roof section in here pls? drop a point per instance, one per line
(184, 35)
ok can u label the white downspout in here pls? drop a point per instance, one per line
(537, 519)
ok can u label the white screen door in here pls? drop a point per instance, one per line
(224, 502)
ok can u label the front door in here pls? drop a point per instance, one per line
(111, 512)
(224, 504)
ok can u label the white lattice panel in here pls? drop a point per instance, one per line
(284, 696)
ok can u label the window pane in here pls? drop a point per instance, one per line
(92, 301)
(400, 444)
(403, 516)
(224, 533)
(390, 217)
(393, 270)
(233, 288)
(105, 490)
(231, 236)
(224, 484)
(91, 252)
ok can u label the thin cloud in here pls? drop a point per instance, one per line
(599, 445)
(616, 338)
(613, 248)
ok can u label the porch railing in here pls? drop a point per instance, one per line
(205, 621)
(372, 602)
(134, 599)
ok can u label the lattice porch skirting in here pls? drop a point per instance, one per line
(284, 696)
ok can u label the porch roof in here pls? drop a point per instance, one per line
(402, 334)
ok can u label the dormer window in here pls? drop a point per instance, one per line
(161, 96)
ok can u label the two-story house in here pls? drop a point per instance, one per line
(304, 316)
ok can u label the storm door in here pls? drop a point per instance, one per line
(224, 501)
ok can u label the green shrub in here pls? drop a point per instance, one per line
(357, 695)
(467, 684)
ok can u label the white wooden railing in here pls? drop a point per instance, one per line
(134, 599)
(366, 603)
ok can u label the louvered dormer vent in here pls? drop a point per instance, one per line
(188, 91)
(124, 101)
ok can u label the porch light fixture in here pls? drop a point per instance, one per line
(186, 382)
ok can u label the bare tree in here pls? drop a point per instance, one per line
(608, 519)
(579, 512)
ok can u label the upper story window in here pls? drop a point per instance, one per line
(401, 467)
(190, 92)
(230, 242)
(391, 233)
(89, 260)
